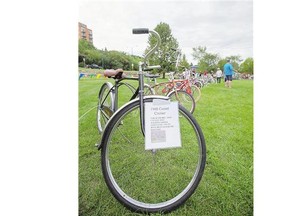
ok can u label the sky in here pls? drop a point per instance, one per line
(224, 27)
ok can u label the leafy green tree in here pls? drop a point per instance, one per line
(84, 45)
(247, 66)
(105, 58)
(235, 61)
(165, 54)
(221, 63)
(206, 61)
(199, 52)
(184, 63)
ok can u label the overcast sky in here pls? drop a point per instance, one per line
(224, 27)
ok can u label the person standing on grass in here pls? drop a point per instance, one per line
(228, 71)
(218, 75)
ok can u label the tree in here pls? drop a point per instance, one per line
(199, 52)
(235, 61)
(184, 63)
(84, 45)
(221, 63)
(206, 61)
(247, 66)
(165, 55)
(105, 58)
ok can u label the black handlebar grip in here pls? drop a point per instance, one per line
(140, 31)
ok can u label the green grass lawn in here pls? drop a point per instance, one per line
(226, 118)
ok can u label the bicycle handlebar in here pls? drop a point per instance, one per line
(146, 31)
(140, 31)
(155, 47)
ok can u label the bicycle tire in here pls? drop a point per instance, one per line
(148, 90)
(151, 181)
(105, 106)
(199, 84)
(162, 88)
(196, 93)
(184, 98)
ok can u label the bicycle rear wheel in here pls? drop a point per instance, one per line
(105, 106)
(184, 98)
(151, 180)
(148, 90)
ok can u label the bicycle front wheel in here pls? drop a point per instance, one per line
(196, 93)
(184, 98)
(150, 181)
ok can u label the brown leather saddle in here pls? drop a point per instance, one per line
(115, 74)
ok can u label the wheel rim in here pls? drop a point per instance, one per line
(125, 181)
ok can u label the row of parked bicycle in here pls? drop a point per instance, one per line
(182, 90)
(186, 91)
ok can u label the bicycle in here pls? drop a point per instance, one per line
(172, 90)
(186, 85)
(196, 81)
(151, 179)
(180, 89)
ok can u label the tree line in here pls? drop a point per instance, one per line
(88, 54)
(165, 56)
(210, 61)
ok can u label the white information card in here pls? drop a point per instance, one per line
(162, 125)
